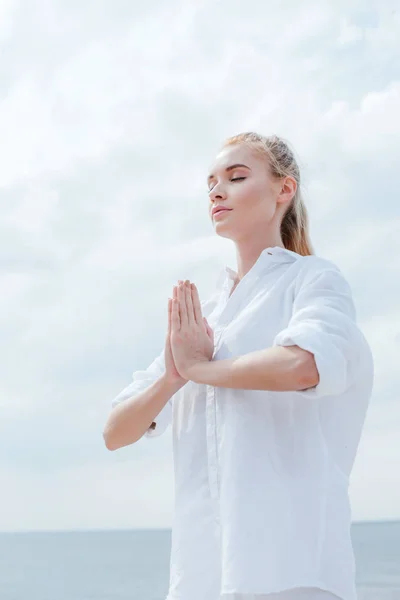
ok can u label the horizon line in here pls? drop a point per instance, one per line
(130, 529)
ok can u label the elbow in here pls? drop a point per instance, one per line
(308, 375)
(114, 440)
(108, 440)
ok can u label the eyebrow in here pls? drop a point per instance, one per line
(235, 166)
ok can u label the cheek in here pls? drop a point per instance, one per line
(263, 198)
(254, 199)
(254, 211)
(247, 194)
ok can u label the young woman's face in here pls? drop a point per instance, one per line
(249, 191)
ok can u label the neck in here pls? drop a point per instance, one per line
(246, 255)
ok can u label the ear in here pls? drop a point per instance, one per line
(288, 187)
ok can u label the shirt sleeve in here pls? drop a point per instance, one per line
(324, 323)
(141, 380)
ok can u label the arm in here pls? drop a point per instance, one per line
(144, 407)
(279, 369)
(129, 420)
(322, 328)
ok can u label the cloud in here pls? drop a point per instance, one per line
(116, 494)
(110, 116)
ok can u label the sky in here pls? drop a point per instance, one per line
(110, 115)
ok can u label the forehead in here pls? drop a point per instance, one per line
(233, 154)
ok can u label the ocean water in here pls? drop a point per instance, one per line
(134, 565)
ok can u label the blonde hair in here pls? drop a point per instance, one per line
(282, 163)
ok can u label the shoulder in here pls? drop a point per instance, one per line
(314, 264)
(323, 275)
(312, 267)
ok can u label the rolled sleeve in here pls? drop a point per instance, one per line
(141, 380)
(323, 322)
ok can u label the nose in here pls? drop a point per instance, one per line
(216, 192)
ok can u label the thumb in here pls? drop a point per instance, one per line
(208, 328)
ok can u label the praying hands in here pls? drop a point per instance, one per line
(192, 339)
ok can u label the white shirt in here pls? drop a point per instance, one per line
(261, 477)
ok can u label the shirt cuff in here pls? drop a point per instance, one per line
(330, 362)
(162, 420)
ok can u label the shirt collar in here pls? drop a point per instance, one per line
(276, 254)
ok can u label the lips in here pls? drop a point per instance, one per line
(221, 210)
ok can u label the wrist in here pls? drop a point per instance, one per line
(173, 384)
(195, 370)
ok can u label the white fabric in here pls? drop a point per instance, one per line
(261, 477)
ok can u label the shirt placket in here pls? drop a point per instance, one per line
(211, 423)
(227, 309)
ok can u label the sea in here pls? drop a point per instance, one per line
(134, 564)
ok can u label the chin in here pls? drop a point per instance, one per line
(226, 233)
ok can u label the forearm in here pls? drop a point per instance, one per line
(277, 369)
(130, 419)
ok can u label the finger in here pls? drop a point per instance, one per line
(175, 300)
(182, 307)
(175, 324)
(196, 304)
(209, 330)
(189, 304)
(169, 315)
(206, 326)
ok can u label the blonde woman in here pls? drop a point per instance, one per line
(266, 385)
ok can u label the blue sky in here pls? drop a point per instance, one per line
(110, 115)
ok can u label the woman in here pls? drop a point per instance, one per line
(267, 386)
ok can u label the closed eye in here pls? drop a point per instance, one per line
(234, 179)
